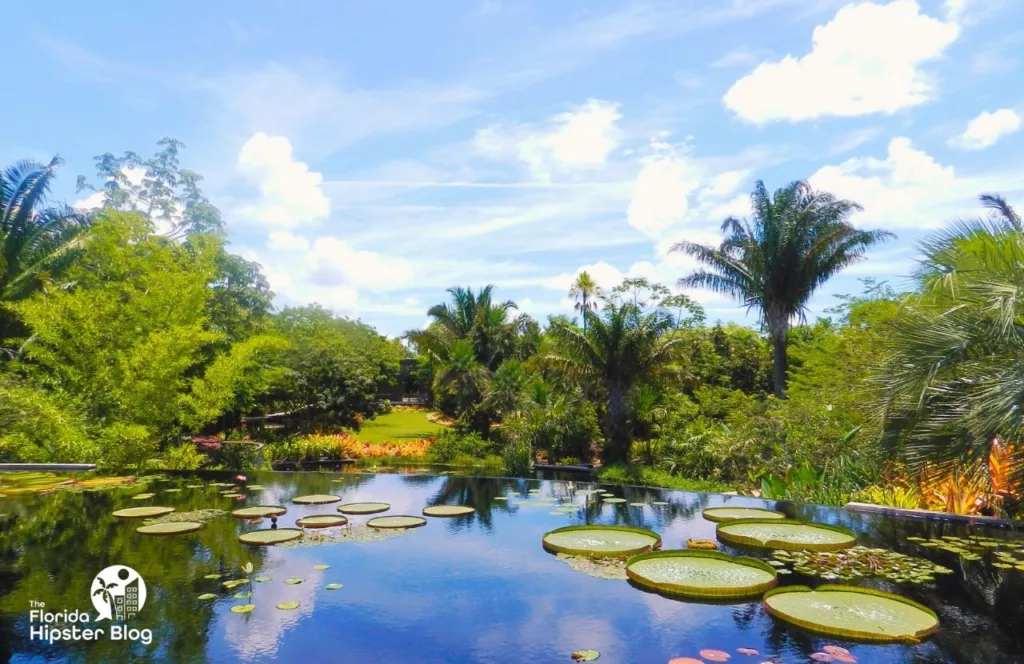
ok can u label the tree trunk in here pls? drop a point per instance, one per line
(779, 328)
(617, 449)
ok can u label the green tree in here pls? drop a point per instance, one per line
(953, 379)
(163, 192)
(585, 294)
(623, 347)
(37, 241)
(798, 240)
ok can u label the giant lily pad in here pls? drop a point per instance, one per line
(730, 513)
(447, 510)
(316, 499)
(693, 573)
(363, 508)
(269, 536)
(143, 496)
(852, 612)
(288, 606)
(601, 541)
(396, 522)
(242, 608)
(259, 511)
(321, 521)
(786, 534)
(142, 512)
(170, 528)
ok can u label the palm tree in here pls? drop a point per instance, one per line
(585, 292)
(621, 348)
(798, 240)
(950, 390)
(36, 243)
(104, 591)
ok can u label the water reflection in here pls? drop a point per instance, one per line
(471, 588)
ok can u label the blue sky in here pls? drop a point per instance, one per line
(370, 155)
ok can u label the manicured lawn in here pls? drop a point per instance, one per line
(397, 426)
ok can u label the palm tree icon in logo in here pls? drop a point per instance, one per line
(104, 591)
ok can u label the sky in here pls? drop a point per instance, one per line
(371, 155)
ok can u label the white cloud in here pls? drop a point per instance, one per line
(662, 190)
(90, 202)
(868, 59)
(285, 241)
(986, 129)
(290, 193)
(333, 262)
(578, 139)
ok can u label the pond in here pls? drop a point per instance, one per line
(472, 588)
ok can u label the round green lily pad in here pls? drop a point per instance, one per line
(205, 596)
(333, 586)
(288, 606)
(447, 510)
(701, 574)
(230, 495)
(316, 499)
(585, 655)
(786, 534)
(363, 508)
(242, 608)
(321, 521)
(614, 500)
(222, 484)
(142, 512)
(170, 528)
(401, 521)
(212, 576)
(718, 514)
(259, 511)
(194, 486)
(293, 581)
(852, 612)
(243, 595)
(255, 487)
(143, 496)
(598, 541)
(263, 579)
(171, 490)
(501, 497)
(234, 583)
(270, 536)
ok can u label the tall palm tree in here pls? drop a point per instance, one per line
(797, 240)
(585, 292)
(951, 388)
(36, 242)
(620, 349)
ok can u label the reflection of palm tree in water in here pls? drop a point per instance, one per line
(104, 590)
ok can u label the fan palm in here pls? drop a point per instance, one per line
(951, 390)
(797, 240)
(621, 348)
(585, 293)
(36, 242)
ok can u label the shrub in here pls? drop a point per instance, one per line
(125, 445)
(655, 477)
(36, 426)
(184, 457)
(517, 458)
(450, 444)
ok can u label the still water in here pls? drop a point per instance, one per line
(475, 588)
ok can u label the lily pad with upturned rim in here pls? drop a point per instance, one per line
(786, 534)
(242, 608)
(170, 528)
(719, 514)
(447, 510)
(259, 511)
(614, 501)
(399, 521)
(294, 581)
(269, 536)
(288, 606)
(852, 612)
(322, 521)
(599, 541)
(321, 568)
(142, 512)
(245, 594)
(364, 508)
(585, 655)
(699, 574)
(143, 496)
(333, 586)
(206, 596)
(263, 579)
(316, 499)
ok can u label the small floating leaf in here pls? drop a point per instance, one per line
(194, 486)
(638, 504)
(212, 576)
(321, 568)
(234, 583)
(501, 497)
(585, 655)
(142, 512)
(231, 495)
(263, 579)
(293, 581)
(255, 487)
(207, 596)
(170, 528)
(316, 499)
(243, 595)
(364, 508)
(750, 652)
(447, 510)
(288, 606)
(333, 586)
(242, 608)
(659, 503)
(614, 501)
(143, 496)
(171, 490)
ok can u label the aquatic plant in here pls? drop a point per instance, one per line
(447, 510)
(400, 521)
(170, 528)
(599, 541)
(786, 534)
(699, 574)
(719, 514)
(363, 508)
(269, 536)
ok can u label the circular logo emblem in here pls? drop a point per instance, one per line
(118, 593)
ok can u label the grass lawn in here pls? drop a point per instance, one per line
(397, 426)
